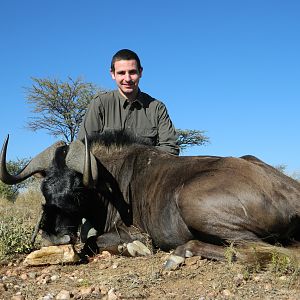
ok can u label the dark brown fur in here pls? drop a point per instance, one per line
(215, 200)
(194, 205)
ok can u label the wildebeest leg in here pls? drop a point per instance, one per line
(122, 240)
(195, 248)
(120, 243)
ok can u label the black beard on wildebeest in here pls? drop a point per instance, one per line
(64, 193)
(68, 201)
(194, 205)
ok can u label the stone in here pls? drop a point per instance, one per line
(52, 255)
(63, 295)
(17, 297)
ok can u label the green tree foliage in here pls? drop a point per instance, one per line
(59, 106)
(10, 192)
(191, 137)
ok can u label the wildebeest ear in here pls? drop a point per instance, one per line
(39, 175)
(75, 159)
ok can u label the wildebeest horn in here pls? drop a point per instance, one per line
(37, 165)
(87, 171)
(80, 159)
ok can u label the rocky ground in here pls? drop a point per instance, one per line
(115, 277)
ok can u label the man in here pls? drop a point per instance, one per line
(130, 109)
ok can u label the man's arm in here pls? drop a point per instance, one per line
(167, 137)
(92, 121)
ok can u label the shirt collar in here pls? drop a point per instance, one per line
(137, 103)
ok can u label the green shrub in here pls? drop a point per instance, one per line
(14, 236)
(11, 192)
(17, 221)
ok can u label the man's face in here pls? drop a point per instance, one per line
(127, 77)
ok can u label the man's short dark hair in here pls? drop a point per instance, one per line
(125, 54)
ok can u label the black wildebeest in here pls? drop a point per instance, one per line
(194, 205)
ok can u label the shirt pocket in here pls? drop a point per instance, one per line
(149, 134)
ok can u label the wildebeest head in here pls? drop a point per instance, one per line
(63, 191)
(68, 172)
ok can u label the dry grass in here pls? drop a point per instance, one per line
(261, 256)
(17, 221)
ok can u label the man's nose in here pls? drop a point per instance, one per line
(127, 77)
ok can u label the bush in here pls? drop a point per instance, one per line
(15, 236)
(11, 192)
(17, 222)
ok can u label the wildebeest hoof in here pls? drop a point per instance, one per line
(122, 248)
(173, 262)
(137, 248)
(51, 240)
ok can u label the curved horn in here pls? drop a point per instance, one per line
(80, 159)
(87, 170)
(38, 164)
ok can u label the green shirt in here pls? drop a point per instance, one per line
(146, 117)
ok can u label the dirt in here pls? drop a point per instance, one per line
(117, 277)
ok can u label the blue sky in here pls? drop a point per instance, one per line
(231, 68)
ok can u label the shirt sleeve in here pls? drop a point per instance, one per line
(167, 137)
(93, 120)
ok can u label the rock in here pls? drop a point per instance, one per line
(24, 276)
(227, 293)
(54, 277)
(238, 279)
(115, 265)
(63, 295)
(17, 297)
(86, 291)
(52, 255)
(111, 295)
(49, 296)
(173, 262)
(104, 255)
(32, 275)
(43, 279)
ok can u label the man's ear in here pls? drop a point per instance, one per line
(141, 72)
(112, 74)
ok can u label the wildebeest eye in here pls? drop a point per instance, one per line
(79, 189)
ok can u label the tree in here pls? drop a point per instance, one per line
(281, 168)
(11, 192)
(191, 137)
(59, 106)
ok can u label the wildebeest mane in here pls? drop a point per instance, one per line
(117, 138)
